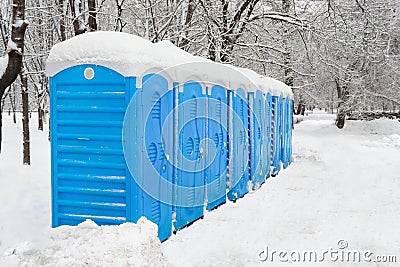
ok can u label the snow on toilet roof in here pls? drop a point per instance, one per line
(131, 55)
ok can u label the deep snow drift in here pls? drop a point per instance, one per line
(343, 185)
(90, 245)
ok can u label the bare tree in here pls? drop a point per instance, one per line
(76, 11)
(15, 49)
(25, 118)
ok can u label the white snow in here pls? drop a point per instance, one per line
(343, 184)
(12, 45)
(131, 55)
(91, 245)
(20, 22)
(3, 64)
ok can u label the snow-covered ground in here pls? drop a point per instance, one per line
(341, 193)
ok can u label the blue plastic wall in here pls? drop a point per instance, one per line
(157, 103)
(89, 176)
(216, 172)
(178, 135)
(287, 144)
(191, 174)
(276, 134)
(239, 146)
(285, 133)
(290, 144)
(268, 135)
(257, 124)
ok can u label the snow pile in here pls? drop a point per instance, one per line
(3, 64)
(336, 189)
(389, 141)
(131, 55)
(91, 245)
(303, 153)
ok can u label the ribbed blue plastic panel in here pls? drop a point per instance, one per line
(287, 144)
(257, 120)
(276, 134)
(239, 146)
(191, 175)
(285, 133)
(156, 105)
(89, 174)
(267, 138)
(217, 150)
(290, 143)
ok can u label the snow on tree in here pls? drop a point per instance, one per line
(15, 50)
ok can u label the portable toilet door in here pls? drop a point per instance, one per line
(239, 147)
(284, 133)
(276, 135)
(267, 131)
(257, 175)
(291, 129)
(89, 176)
(287, 130)
(156, 104)
(216, 158)
(191, 175)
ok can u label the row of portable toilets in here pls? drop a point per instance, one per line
(124, 146)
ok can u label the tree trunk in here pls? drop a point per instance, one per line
(61, 10)
(15, 48)
(119, 26)
(76, 11)
(3, 30)
(340, 120)
(301, 108)
(92, 15)
(287, 57)
(25, 119)
(40, 118)
(342, 110)
(189, 15)
(12, 101)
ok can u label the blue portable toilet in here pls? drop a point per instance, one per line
(238, 147)
(217, 124)
(284, 132)
(155, 170)
(276, 134)
(90, 179)
(190, 194)
(257, 121)
(290, 143)
(132, 135)
(267, 132)
(287, 132)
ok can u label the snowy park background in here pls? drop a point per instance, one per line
(341, 192)
(342, 185)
